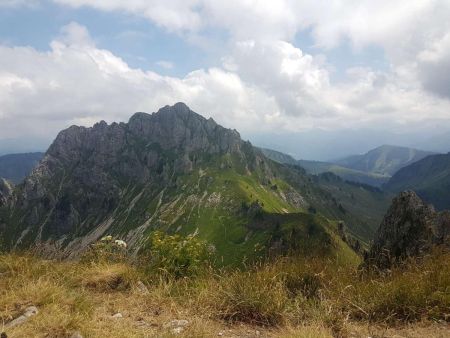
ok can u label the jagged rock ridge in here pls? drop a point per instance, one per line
(409, 229)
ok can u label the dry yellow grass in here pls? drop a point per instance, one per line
(288, 298)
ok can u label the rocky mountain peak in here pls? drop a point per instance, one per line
(409, 229)
(87, 171)
(178, 126)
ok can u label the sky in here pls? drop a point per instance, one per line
(318, 79)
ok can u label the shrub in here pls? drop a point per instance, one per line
(178, 256)
(107, 249)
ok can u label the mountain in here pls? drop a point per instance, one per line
(178, 172)
(385, 160)
(410, 228)
(319, 167)
(15, 167)
(429, 178)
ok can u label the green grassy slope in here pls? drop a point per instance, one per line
(245, 214)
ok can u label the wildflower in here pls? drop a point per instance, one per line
(120, 243)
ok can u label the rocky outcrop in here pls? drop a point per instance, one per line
(409, 229)
(6, 190)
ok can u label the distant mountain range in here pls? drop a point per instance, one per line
(426, 173)
(14, 167)
(373, 168)
(429, 178)
(385, 160)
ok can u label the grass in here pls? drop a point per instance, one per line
(288, 297)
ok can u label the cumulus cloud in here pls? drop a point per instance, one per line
(264, 82)
(434, 66)
(405, 29)
(75, 82)
(173, 15)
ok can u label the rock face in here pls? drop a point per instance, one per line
(6, 190)
(409, 229)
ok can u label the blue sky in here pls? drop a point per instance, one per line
(139, 42)
(262, 67)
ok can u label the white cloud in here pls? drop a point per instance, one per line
(76, 82)
(263, 85)
(405, 29)
(434, 66)
(173, 15)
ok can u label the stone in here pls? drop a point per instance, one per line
(410, 228)
(176, 326)
(117, 315)
(29, 312)
(141, 287)
(176, 323)
(76, 334)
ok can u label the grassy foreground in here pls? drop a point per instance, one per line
(287, 298)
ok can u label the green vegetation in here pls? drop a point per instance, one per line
(176, 256)
(107, 250)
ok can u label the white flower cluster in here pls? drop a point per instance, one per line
(118, 242)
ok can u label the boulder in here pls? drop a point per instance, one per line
(410, 228)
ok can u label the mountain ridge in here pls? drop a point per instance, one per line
(429, 178)
(384, 160)
(319, 167)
